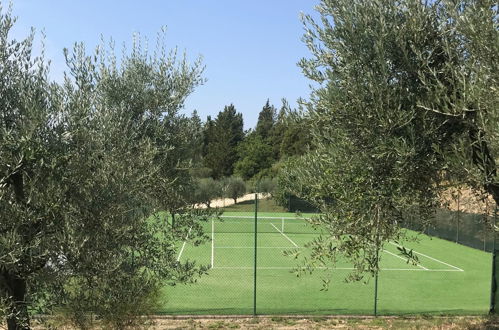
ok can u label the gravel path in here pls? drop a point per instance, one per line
(223, 202)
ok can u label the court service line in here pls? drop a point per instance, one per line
(252, 247)
(212, 243)
(260, 217)
(289, 239)
(342, 268)
(397, 256)
(434, 259)
(183, 245)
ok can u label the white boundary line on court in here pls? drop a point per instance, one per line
(289, 239)
(434, 259)
(183, 245)
(422, 268)
(260, 247)
(259, 217)
(287, 247)
(212, 243)
(397, 256)
(250, 223)
(342, 268)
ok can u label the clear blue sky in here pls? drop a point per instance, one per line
(250, 48)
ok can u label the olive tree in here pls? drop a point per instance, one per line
(234, 187)
(86, 166)
(206, 191)
(405, 104)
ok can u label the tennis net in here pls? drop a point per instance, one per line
(246, 224)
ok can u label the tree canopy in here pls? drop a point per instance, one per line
(406, 105)
(85, 167)
(255, 155)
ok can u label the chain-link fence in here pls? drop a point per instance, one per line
(473, 230)
(254, 257)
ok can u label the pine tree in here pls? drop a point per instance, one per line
(222, 137)
(266, 120)
(279, 130)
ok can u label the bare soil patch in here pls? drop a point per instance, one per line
(306, 322)
(293, 322)
(223, 202)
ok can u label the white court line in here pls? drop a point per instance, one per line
(250, 225)
(343, 268)
(253, 217)
(252, 247)
(434, 259)
(183, 245)
(289, 239)
(212, 243)
(397, 256)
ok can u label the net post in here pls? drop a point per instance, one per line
(255, 256)
(282, 225)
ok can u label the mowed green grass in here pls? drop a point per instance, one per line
(450, 279)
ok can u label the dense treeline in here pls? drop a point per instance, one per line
(228, 155)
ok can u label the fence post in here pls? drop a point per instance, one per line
(458, 218)
(376, 291)
(254, 263)
(377, 265)
(493, 283)
(484, 220)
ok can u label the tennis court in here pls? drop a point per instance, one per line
(449, 278)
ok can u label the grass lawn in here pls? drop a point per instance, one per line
(451, 279)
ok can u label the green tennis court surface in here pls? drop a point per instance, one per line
(449, 278)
